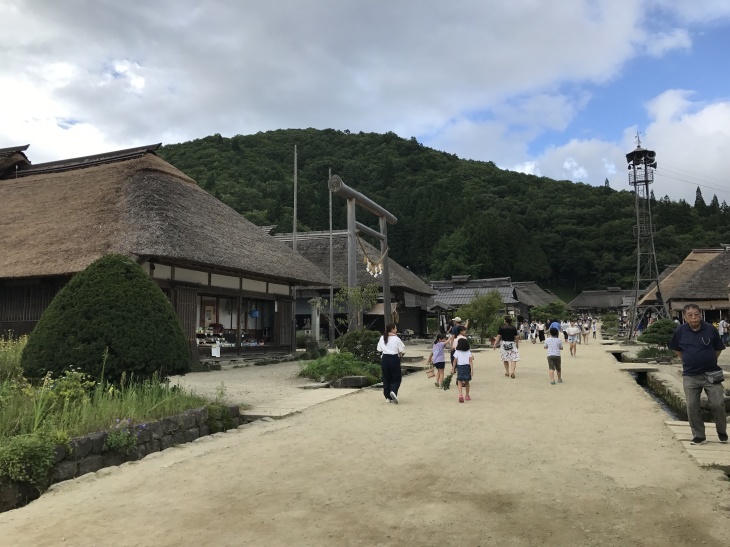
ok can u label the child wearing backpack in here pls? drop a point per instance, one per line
(437, 358)
(463, 365)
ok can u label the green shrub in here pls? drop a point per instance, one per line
(654, 352)
(363, 344)
(122, 437)
(338, 365)
(219, 419)
(26, 458)
(659, 332)
(302, 340)
(111, 305)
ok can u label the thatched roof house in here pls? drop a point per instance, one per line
(411, 294)
(59, 217)
(517, 297)
(612, 299)
(703, 278)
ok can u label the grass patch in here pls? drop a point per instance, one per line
(338, 365)
(35, 417)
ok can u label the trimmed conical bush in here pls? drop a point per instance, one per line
(111, 305)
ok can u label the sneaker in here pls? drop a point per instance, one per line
(461, 398)
(723, 438)
(388, 401)
(698, 440)
(393, 397)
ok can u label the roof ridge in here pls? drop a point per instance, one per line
(88, 161)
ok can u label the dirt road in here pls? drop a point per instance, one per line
(586, 462)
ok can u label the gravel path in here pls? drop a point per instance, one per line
(587, 462)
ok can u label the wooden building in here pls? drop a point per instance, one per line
(703, 278)
(410, 296)
(597, 302)
(518, 298)
(230, 283)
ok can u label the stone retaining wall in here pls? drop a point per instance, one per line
(87, 454)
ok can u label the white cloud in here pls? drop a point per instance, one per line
(245, 67)
(662, 42)
(482, 80)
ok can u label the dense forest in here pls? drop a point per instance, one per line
(455, 216)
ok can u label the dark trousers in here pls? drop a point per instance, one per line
(392, 375)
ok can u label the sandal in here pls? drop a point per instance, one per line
(461, 398)
(512, 375)
(506, 373)
(467, 398)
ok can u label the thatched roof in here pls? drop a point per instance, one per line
(676, 279)
(461, 290)
(58, 218)
(315, 246)
(613, 297)
(710, 282)
(13, 157)
(531, 294)
(461, 296)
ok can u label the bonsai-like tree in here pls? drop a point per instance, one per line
(658, 333)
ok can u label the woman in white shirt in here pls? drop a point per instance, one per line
(392, 348)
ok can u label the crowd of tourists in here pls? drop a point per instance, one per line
(696, 342)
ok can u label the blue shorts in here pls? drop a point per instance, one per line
(439, 365)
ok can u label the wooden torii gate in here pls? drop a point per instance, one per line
(353, 198)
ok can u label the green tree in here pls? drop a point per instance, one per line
(482, 313)
(658, 333)
(110, 309)
(549, 312)
(356, 300)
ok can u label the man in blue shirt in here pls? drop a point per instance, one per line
(698, 344)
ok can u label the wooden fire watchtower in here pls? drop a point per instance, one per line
(353, 198)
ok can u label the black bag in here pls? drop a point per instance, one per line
(715, 377)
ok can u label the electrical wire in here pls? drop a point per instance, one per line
(663, 173)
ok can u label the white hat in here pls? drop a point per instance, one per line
(457, 319)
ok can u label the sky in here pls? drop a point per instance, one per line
(556, 88)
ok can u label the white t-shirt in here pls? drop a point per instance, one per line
(573, 331)
(394, 346)
(462, 357)
(553, 346)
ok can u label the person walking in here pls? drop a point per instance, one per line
(541, 331)
(437, 358)
(585, 329)
(463, 366)
(724, 330)
(553, 345)
(392, 349)
(564, 327)
(509, 343)
(594, 327)
(573, 332)
(698, 344)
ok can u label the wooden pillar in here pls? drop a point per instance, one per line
(387, 315)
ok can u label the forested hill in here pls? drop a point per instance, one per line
(455, 216)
